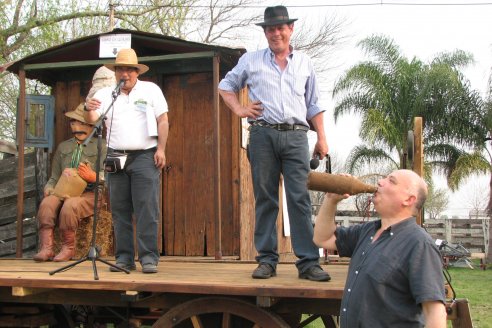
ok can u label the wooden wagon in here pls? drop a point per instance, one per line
(207, 214)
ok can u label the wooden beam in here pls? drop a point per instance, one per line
(148, 59)
(217, 175)
(266, 301)
(418, 157)
(21, 127)
(461, 317)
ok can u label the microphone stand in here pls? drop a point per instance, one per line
(93, 254)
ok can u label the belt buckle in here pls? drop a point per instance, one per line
(284, 127)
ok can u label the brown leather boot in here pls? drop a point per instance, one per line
(46, 252)
(68, 246)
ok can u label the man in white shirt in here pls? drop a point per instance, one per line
(138, 128)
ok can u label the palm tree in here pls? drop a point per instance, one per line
(460, 165)
(389, 91)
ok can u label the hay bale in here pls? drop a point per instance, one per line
(104, 235)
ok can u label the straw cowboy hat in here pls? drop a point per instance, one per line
(127, 58)
(277, 15)
(78, 114)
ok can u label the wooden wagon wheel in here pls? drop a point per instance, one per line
(193, 311)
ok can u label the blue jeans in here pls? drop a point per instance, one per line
(136, 190)
(271, 153)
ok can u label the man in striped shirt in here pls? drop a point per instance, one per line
(284, 96)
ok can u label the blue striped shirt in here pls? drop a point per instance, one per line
(288, 96)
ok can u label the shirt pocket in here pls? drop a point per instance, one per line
(89, 155)
(300, 82)
(66, 157)
(383, 270)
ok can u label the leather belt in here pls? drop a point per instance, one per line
(280, 126)
(132, 151)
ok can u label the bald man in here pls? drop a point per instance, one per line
(395, 274)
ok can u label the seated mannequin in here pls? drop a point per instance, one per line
(70, 154)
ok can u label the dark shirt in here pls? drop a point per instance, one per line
(390, 278)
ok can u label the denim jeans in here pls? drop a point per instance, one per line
(136, 190)
(273, 153)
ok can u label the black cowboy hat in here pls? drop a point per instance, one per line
(276, 16)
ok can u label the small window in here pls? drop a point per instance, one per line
(39, 119)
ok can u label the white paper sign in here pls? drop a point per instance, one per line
(110, 44)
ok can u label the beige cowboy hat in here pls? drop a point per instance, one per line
(127, 58)
(77, 114)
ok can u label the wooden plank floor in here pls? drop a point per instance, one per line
(193, 277)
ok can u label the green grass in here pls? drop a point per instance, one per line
(473, 285)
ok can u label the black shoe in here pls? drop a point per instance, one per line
(129, 267)
(315, 273)
(264, 271)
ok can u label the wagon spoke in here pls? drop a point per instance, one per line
(198, 311)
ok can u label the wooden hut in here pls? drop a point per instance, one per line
(207, 200)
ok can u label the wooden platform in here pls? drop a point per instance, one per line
(180, 284)
(175, 276)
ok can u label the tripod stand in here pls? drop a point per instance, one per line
(93, 253)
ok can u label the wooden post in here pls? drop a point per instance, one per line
(461, 317)
(20, 150)
(418, 156)
(217, 176)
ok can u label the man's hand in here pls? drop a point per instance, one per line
(252, 110)
(335, 198)
(92, 104)
(48, 191)
(86, 173)
(321, 148)
(159, 158)
(90, 113)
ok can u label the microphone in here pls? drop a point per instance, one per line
(314, 163)
(117, 90)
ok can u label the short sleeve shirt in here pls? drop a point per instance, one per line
(132, 121)
(390, 278)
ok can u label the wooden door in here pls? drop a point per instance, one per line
(188, 189)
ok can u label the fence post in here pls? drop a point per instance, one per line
(448, 224)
